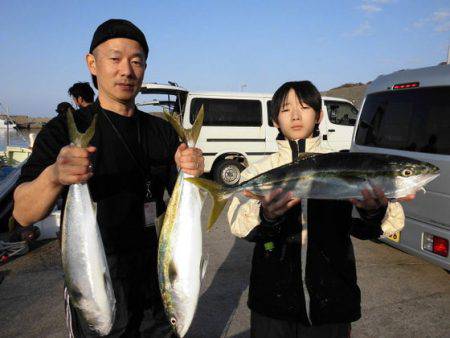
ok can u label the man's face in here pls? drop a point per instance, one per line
(119, 65)
(296, 119)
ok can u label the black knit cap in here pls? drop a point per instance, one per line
(118, 28)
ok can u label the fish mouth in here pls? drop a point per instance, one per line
(428, 178)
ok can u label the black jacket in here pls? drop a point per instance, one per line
(277, 283)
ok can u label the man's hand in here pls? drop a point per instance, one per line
(72, 165)
(376, 200)
(276, 203)
(190, 160)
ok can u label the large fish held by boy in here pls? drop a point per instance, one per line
(334, 176)
(86, 271)
(180, 262)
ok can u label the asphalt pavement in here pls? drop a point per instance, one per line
(402, 296)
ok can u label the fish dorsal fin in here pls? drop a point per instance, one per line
(188, 136)
(305, 156)
(203, 265)
(79, 139)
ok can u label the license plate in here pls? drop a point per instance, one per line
(395, 237)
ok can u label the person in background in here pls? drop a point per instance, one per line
(82, 94)
(62, 107)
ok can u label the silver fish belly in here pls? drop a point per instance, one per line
(84, 262)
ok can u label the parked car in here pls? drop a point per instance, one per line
(407, 113)
(237, 129)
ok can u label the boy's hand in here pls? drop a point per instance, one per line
(72, 165)
(376, 200)
(190, 160)
(276, 203)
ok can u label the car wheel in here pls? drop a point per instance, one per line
(228, 172)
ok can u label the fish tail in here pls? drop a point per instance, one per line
(218, 194)
(79, 139)
(188, 136)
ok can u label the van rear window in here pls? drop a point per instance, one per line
(413, 120)
(228, 112)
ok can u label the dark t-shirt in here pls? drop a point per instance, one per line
(118, 185)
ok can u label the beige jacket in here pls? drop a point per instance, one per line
(243, 214)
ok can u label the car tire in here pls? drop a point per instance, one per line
(228, 172)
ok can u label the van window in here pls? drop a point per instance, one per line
(227, 112)
(342, 113)
(414, 120)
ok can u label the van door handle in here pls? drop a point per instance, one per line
(331, 130)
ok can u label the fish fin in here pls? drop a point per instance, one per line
(203, 266)
(159, 223)
(194, 132)
(75, 294)
(175, 121)
(218, 194)
(77, 138)
(108, 286)
(172, 273)
(188, 136)
(305, 156)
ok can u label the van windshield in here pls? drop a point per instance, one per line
(412, 120)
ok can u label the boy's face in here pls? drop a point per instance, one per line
(296, 119)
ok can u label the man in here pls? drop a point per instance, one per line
(82, 94)
(132, 159)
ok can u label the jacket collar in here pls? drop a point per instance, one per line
(289, 150)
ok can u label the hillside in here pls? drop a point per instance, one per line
(353, 92)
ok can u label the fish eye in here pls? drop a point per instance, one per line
(173, 321)
(407, 172)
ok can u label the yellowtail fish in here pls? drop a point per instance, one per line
(180, 260)
(86, 271)
(334, 176)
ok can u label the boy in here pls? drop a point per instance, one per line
(303, 279)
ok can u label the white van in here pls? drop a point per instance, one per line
(237, 129)
(407, 113)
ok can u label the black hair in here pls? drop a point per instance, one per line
(305, 91)
(62, 107)
(82, 89)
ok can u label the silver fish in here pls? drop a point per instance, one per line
(86, 271)
(334, 176)
(180, 260)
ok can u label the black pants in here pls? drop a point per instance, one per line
(265, 327)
